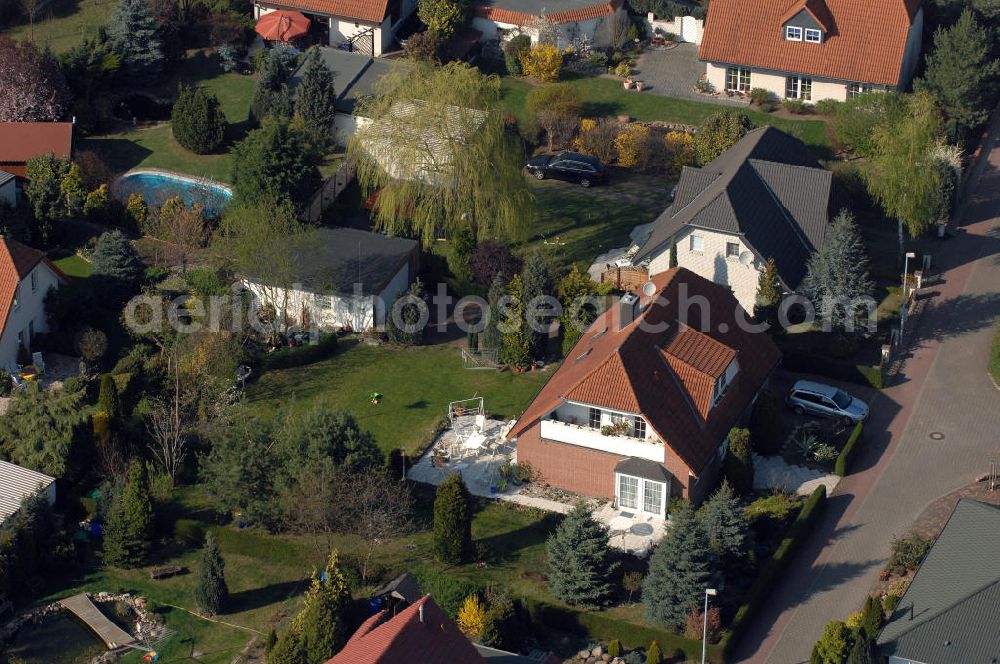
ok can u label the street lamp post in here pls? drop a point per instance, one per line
(709, 592)
(902, 307)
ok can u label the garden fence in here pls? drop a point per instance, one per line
(328, 192)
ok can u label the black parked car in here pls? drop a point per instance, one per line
(569, 166)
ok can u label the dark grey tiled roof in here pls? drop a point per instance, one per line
(333, 260)
(951, 611)
(644, 468)
(354, 75)
(766, 188)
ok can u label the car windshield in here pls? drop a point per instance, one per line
(842, 399)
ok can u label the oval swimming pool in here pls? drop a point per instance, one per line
(156, 187)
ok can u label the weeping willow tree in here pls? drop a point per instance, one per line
(438, 156)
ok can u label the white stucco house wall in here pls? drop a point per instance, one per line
(348, 279)
(348, 20)
(766, 197)
(26, 277)
(500, 20)
(813, 49)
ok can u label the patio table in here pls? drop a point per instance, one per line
(474, 442)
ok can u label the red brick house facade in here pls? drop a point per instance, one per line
(642, 406)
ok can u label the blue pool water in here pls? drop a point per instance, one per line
(157, 188)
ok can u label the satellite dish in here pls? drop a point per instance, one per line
(746, 258)
(649, 289)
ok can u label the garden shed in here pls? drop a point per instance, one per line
(17, 484)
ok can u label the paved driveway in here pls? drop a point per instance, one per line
(942, 388)
(673, 72)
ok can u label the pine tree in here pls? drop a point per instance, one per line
(654, 655)
(962, 73)
(538, 282)
(130, 522)
(492, 337)
(580, 561)
(271, 96)
(862, 650)
(765, 309)
(402, 322)
(673, 253)
(724, 522)
(315, 96)
(133, 34)
(678, 572)
(197, 121)
(289, 649)
(107, 398)
(738, 466)
(210, 591)
(452, 521)
(837, 279)
(321, 623)
(272, 163)
(116, 265)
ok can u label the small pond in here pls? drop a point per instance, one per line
(57, 639)
(156, 187)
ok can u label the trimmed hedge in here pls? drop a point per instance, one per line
(862, 374)
(772, 569)
(286, 358)
(843, 465)
(601, 627)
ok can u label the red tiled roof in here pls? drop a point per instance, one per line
(370, 11)
(16, 262)
(864, 41)
(20, 141)
(512, 17)
(665, 370)
(428, 637)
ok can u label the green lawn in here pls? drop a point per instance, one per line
(604, 97)
(155, 147)
(74, 266)
(63, 25)
(995, 356)
(417, 384)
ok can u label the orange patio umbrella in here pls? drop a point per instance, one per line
(282, 25)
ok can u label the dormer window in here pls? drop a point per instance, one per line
(813, 35)
(723, 382)
(793, 33)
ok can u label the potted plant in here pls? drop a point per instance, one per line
(639, 85)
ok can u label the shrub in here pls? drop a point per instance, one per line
(680, 150)
(738, 464)
(833, 646)
(493, 259)
(615, 648)
(423, 45)
(630, 143)
(827, 106)
(719, 132)
(542, 61)
(97, 207)
(448, 590)
(512, 53)
(843, 465)
(890, 603)
(763, 100)
(597, 138)
(777, 506)
(797, 106)
(653, 654)
(197, 121)
(472, 616)
(908, 552)
(229, 58)
(452, 521)
(696, 624)
(137, 209)
(872, 616)
(623, 70)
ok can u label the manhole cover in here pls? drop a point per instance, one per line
(642, 529)
(936, 435)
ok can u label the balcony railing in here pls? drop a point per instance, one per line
(575, 434)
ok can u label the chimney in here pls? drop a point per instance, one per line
(420, 610)
(627, 308)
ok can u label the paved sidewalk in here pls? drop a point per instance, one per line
(942, 388)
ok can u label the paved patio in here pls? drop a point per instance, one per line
(673, 72)
(57, 369)
(773, 472)
(632, 533)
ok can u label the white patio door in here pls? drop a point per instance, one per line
(637, 493)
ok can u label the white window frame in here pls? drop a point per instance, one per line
(798, 87)
(738, 79)
(791, 31)
(639, 427)
(816, 35)
(857, 89)
(640, 495)
(697, 240)
(730, 245)
(590, 417)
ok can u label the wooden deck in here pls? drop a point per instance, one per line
(112, 635)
